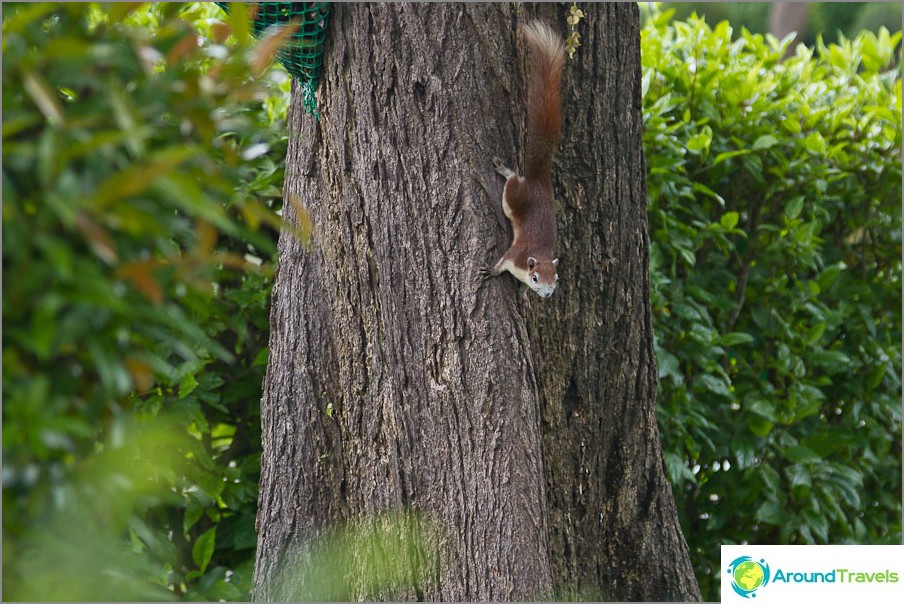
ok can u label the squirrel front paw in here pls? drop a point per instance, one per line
(486, 272)
(502, 169)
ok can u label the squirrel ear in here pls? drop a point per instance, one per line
(531, 262)
(555, 262)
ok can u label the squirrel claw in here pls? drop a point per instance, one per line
(485, 272)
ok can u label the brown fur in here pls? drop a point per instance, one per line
(528, 201)
(544, 102)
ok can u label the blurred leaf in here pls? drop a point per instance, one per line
(702, 188)
(792, 210)
(800, 454)
(733, 339)
(193, 513)
(730, 220)
(721, 157)
(764, 409)
(764, 142)
(43, 97)
(142, 374)
(98, 239)
(202, 550)
(771, 512)
(270, 44)
(699, 143)
(136, 179)
(141, 275)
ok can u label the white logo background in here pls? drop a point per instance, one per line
(872, 559)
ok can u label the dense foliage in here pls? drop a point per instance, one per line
(775, 219)
(828, 19)
(140, 166)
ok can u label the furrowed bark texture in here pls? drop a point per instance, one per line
(523, 435)
(612, 518)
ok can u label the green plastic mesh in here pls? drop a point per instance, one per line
(302, 55)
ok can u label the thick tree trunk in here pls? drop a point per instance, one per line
(524, 434)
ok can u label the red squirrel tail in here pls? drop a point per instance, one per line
(544, 99)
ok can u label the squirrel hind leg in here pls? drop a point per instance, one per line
(502, 169)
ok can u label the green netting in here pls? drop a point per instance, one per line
(302, 56)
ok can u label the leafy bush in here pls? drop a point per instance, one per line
(828, 19)
(775, 219)
(140, 171)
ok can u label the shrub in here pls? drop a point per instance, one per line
(140, 167)
(775, 219)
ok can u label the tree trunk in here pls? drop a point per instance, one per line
(785, 17)
(523, 434)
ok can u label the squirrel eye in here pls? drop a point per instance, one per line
(535, 278)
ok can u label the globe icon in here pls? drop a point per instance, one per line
(748, 575)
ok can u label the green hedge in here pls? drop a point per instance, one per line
(140, 167)
(775, 219)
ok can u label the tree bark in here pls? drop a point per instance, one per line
(787, 17)
(523, 434)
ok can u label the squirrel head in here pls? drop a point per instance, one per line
(541, 276)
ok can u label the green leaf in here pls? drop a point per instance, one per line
(188, 385)
(799, 475)
(260, 360)
(814, 334)
(817, 523)
(729, 154)
(745, 454)
(832, 361)
(688, 256)
(794, 207)
(699, 143)
(763, 408)
(714, 384)
(771, 480)
(764, 142)
(730, 220)
(759, 426)
(192, 514)
(699, 187)
(771, 512)
(735, 338)
(136, 179)
(828, 276)
(211, 484)
(801, 454)
(815, 143)
(677, 469)
(202, 550)
(245, 535)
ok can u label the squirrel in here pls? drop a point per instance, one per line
(528, 200)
